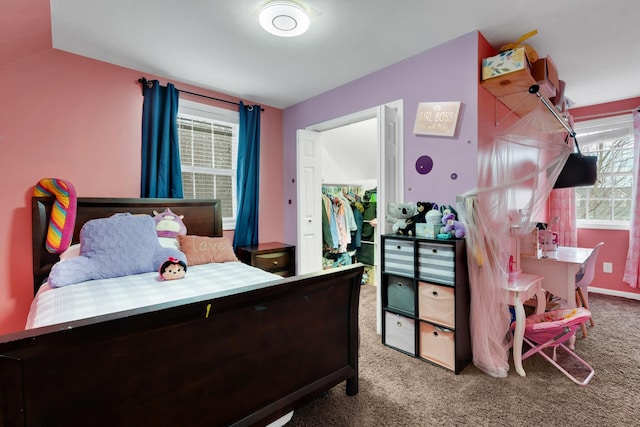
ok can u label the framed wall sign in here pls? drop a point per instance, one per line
(437, 118)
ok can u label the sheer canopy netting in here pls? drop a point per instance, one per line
(516, 175)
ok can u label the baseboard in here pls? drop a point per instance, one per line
(614, 293)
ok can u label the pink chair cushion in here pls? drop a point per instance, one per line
(545, 326)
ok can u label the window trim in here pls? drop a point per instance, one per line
(612, 125)
(227, 118)
(602, 225)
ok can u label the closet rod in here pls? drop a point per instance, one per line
(536, 90)
(340, 185)
(144, 81)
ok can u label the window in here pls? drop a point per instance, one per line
(208, 155)
(607, 204)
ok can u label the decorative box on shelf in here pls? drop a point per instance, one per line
(545, 73)
(506, 62)
(431, 231)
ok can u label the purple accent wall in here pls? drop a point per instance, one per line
(448, 72)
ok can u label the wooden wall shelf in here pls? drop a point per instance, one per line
(512, 90)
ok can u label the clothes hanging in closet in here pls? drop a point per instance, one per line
(366, 252)
(341, 225)
(338, 222)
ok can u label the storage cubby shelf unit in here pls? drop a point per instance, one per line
(425, 299)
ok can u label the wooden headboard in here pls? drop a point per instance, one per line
(202, 217)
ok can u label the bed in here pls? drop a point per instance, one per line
(244, 356)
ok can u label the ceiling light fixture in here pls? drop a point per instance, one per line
(284, 18)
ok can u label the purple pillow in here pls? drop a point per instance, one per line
(120, 245)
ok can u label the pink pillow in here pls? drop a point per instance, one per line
(203, 250)
(71, 252)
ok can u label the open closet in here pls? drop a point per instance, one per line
(349, 193)
(359, 150)
(348, 220)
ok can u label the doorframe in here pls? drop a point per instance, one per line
(356, 117)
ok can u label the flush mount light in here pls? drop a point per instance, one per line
(284, 18)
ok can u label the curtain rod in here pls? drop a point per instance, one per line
(535, 89)
(612, 113)
(143, 80)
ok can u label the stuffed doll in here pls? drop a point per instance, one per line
(168, 227)
(420, 217)
(399, 214)
(173, 268)
(451, 225)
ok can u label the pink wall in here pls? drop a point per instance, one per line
(616, 241)
(71, 117)
(490, 110)
(25, 28)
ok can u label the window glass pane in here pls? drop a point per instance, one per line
(188, 187)
(622, 187)
(204, 186)
(581, 209)
(600, 191)
(224, 193)
(207, 150)
(186, 143)
(223, 137)
(202, 145)
(611, 139)
(622, 210)
(195, 142)
(599, 209)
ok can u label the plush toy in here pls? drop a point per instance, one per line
(452, 226)
(63, 213)
(173, 268)
(434, 216)
(398, 214)
(420, 217)
(168, 227)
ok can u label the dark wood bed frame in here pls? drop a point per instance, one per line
(243, 359)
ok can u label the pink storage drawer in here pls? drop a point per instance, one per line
(437, 345)
(436, 304)
(400, 332)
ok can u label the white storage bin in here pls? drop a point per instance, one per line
(400, 332)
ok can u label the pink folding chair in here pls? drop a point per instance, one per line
(552, 329)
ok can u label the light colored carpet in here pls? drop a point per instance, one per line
(398, 390)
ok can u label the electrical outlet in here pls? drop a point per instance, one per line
(607, 267)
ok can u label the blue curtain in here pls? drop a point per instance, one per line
(161, 172)
(248, 176)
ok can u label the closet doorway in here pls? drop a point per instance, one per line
(384, 158)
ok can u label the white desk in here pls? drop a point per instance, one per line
(518, 291)
(559, 273)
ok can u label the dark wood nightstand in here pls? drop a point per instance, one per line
(274, 257)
